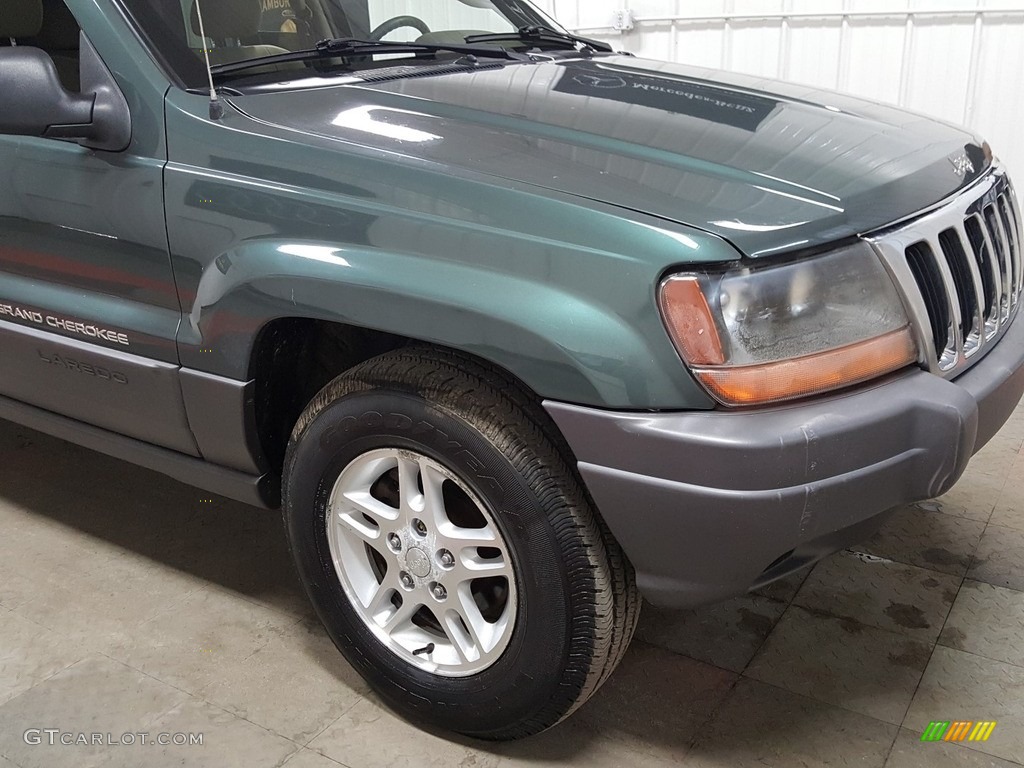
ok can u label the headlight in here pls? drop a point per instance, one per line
(764, 335)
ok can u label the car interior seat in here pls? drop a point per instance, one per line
(60, 36)
(232, 26)
(20, 20)
(296, 24)
(44, 24)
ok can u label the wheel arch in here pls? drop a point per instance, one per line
(575, 336)
(267, 304)
(316, 351)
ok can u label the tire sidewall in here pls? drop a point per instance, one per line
(529, 671)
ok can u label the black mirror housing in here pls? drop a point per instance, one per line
(34, 102)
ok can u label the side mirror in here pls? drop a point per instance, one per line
(35, 102)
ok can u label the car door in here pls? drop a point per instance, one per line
(88, 306)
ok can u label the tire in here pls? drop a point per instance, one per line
(485, 442)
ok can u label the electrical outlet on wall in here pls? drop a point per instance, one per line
(624, 20)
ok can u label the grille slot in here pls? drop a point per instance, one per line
(995, 232)
(961, 270)
(1018, 236)
(1010, 226)
(987, 266)
(1015, 210)
(956, 257)
(929, 281)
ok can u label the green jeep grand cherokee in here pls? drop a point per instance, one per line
(515, 328)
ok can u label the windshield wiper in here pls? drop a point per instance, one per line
(537, 34)
(350, 47)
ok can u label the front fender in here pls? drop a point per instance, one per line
(264, 224)
(565, 344)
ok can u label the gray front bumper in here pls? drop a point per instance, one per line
(710, 504)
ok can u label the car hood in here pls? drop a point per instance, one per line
(771, 167)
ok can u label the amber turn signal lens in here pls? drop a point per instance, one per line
(690, 322)
(813, 374)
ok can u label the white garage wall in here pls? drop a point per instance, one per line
(960, 60)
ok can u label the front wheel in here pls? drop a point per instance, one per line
(449, 548)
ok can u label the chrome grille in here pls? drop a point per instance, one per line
(959, 269)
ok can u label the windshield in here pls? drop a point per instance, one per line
(242, 30)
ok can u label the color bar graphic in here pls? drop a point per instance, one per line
(958, 730)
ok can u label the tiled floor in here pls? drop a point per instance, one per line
(130, 603)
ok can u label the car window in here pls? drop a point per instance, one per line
(59, 37)
(240, 30)
(445, 18)
(278, 17)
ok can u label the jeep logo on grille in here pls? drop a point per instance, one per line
(962, 164)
